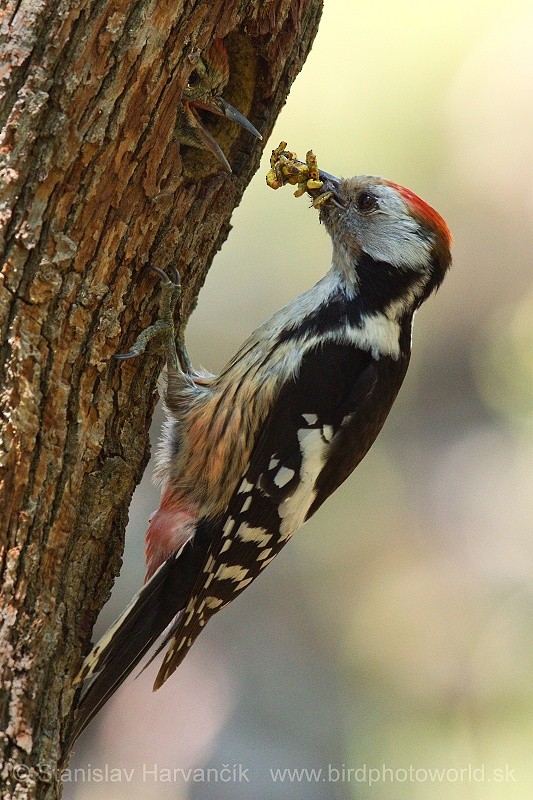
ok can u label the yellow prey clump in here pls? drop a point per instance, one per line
(285, 168)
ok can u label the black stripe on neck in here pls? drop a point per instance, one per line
(381, 284)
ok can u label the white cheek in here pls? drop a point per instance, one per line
(394, 241)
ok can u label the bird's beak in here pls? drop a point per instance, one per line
(219, 106)
(333, 183)
(231, 113)
(330, 185)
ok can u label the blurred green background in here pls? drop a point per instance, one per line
(393, 633)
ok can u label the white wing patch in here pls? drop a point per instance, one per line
(213, 602)
(243, 583)
(257, 535)
(231, 572)
(283, 476)
(266, 562)
(328, 432)
(294, 509)
(245, 486)
(209, 564)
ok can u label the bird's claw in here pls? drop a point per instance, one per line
(177, 356)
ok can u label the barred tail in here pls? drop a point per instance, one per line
(152, 609)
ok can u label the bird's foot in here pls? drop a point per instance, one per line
(176, 352)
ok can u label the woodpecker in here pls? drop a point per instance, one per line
(204, 90)
(252, 453)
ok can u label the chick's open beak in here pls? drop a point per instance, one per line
(221, 107)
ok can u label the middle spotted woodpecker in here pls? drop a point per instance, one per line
(249, 455)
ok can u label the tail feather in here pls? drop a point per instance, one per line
(121, 648)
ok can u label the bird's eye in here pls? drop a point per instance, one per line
(194, 79)
(366, 202)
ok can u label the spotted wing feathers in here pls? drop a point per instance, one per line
(318, 429)
(279, 485)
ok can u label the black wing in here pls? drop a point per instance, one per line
(319, 428)
(328, 408)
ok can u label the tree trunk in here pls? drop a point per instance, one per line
(93, 187)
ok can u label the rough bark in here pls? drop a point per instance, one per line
(93, 187)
